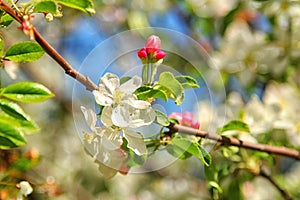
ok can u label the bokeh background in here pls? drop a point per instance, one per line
(254, 45)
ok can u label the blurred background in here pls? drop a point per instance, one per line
(254, 45)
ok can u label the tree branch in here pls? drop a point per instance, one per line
(69, 70)
(284, 193)
(236, 142)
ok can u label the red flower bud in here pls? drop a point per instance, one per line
(142, 53)
(159, 54)
(185, 119)
(153, 44)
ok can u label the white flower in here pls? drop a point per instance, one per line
(106, 140)
(127, 110)
(25, 190)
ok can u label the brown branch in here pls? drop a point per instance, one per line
(69, 70)
(236, 142)
(284, 193)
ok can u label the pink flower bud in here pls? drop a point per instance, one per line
(195, 125)
(142, 53)
(159, 54)
(187, 118)
(176, 116)
(153, 44)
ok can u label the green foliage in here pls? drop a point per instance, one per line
(187, 82)
(5, 20)
(161, 118)
(83, 5)
(183, 148)
(12, 109)
(14, 122)
(10, 136)
(234, 125)
(147, 92)
(46, 7)
(24, 52)
(171, 86)
(27, 92)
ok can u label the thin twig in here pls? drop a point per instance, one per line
(236, 142)
(284, 193)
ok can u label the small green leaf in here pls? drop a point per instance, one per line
(83, 5)
(46, 7)
(6, 20)
(215, 185)
(192, 148)
(124, 79)
(146, 92)
(24, 52)
(161, 118)
(168, 83)
(27, 92)
(234, 125)
(12, 109)
(10, 136)
(25, 126)
(187, 82)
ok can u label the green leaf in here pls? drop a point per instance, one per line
(234, 125)
(124, 79)
(215, 185)
(168, 83)
(161, 118)
(187, 82)
(146, 92)
(10, 136)
(25, 126)
(83, 5)
(46, 7)
(24, 52)
(6, 20)
(192, 148)
(12, 109)
(27, 92)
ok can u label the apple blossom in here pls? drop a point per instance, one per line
(126, 109)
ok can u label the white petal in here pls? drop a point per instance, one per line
(90, 117)
(106, 172)
(131, 85)
(137, 113)
(119, 116)
(106, 116)
(110, 138)
(109, 82)
(102, 97)
(135, 142)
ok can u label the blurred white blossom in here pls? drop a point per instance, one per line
(25, 190)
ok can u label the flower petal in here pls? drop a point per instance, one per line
(110, 138)
(131, 85)
(133, 113)
(102, 97)
(106, 116)
(90, 117)
(106, 172)
(135, 142)
(107, 87)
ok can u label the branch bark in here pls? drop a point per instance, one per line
(84, 80)
(236, 142)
